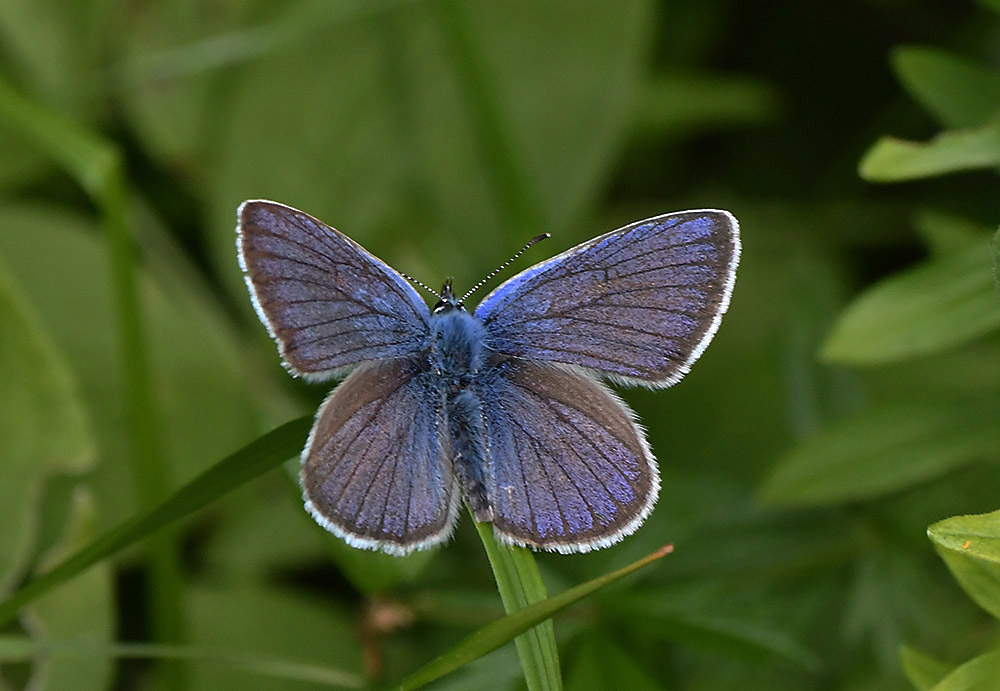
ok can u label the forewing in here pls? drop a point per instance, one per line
(326, 301)
(638, 304)
(568, 469)
(375, 470)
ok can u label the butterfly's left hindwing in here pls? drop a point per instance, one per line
(567, 468)
(375, 470)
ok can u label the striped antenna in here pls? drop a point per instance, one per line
(423, 285)
(491, 274)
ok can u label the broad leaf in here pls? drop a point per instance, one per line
(883, 450)
(943, 302)
(893, 160)
(923, 671)
(975, 535)
(978, 674)
(958, 92)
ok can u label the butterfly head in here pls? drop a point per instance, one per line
(448, 301)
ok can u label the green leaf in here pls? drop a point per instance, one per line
(893, 160)
(82, 613)
(975, 535)
(946, 233)
(980, 579)
(957, 92)
(978, 674)
(943, 302)
(520, 585)
(921, 669)
(246, 464)
(883, 450)
(42, 426)
(970, 546)
(502, 631)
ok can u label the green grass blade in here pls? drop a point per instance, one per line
(520, 585)
(246, 464)
(23, 649)
(496, 634)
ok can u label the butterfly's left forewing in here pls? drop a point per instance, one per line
(567, 468)
(329, 303)
(638, 304)
(375, 470)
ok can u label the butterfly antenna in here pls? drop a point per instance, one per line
(533, 241)
(423, 285)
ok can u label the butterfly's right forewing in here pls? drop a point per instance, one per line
(375, 470)
(328, 302)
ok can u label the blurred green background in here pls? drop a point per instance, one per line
(849, 400)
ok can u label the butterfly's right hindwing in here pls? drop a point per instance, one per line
(375, 470)
(328, 302)
(567, 468)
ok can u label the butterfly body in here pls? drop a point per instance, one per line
(504, 405)
(458, 357)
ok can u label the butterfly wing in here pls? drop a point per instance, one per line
(327, 302)
(567, 468)
(638, 304)
(375, 470)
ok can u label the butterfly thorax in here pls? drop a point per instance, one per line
(456, 348)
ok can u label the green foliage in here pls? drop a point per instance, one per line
(954, 305)
(849, 401)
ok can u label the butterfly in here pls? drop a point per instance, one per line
(505, 405)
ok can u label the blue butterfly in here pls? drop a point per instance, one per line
(503, 405)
